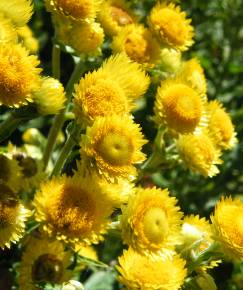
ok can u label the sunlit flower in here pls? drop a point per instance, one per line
(50, 97)
(228, 226)
(8, 32)
(138, 43)
(18, 11)
(18, 75)
(76, 10)
(179, 106)
(220, 126)
(170, 25)
(114, 15)
(151, 221)
(43, 260)
(13, 216)
(86, 37)
(73, 209)
(113, 145)
(170, 60)
(199, 154)
(27, 39)
(141, 272)
(111, 88)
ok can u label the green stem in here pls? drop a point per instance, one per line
(63, 155)
(60, 118)
(56, 53)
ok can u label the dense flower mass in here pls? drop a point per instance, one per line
(98, 196)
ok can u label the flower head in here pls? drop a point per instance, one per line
(199, 153)
(50, 97)
(220, 126)
(141, 272)
(113, 145)
(43, 260)
(13, 216)
(18, 11)
(26, 37)
(7, 31)
(171, 26)
(84, 10)
(114, 15)
(73, 209)
(138, 43)
(19, 76)
(151, 221)
(170, 60)
(228, 226)
(179, 106)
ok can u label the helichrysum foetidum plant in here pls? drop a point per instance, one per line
(61, 195)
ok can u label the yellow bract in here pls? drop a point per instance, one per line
(199, 154)
(73, 209)
(27, 39)
(179, 106)
(19, 76)
(50, 97)
(8, 32)
(151, 221)
(171, 26)
(114, 15)
(113, 145)
(138, 43)
(228, 226)
(141, 272)
(43, 260)
(220, 126)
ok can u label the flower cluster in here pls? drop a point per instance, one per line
(62, 196)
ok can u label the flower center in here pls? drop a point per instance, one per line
(47, 268)
(77, 9)
(105, 97)
(8, 206)
(27, 164)
(183, 108)
(155, 225)
(120, 16)
(116, 149)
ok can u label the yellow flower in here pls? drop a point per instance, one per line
(43, 260)
(151, 221)
(86, 37)
(228, 226)
(19, 76)
(63, 26)
(199, 154)
(192, 73)
(84, 10)
(10, 173)
(171, 26)
(111, 88)
(170, 60)
(13, 216)
(50, 97)
(113, 145)
(138, 43)
(114, 15)
(141, 272)
(220, 126)
(27, 39)
(18, 11)
(179, 106)
(7, 31)
(73, 209)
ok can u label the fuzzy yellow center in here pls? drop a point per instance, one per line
(47, 268)
(116, 149)
(105, 97)
(137, 47)
(221, 122)
(155, 224)
(72, 211)
(77, 9)
(120, 16)
(183, 108)
(5, 168)
(8, 206)
(27, 164)
(172, 26)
